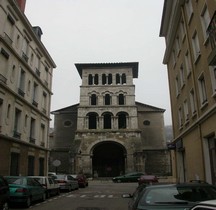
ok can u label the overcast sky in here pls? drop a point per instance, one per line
(103, 31)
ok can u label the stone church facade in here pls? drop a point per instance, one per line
(108, 133)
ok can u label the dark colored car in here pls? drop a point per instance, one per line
(147, 179)
(82, 180)
(130, 177)
(4, 194)
(170, 196)
(25, 190)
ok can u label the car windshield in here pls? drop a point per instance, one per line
(61, 176)
(177, 195)
(14, 180)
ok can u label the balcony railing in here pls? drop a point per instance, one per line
(21, 92)
(8, 39)
(32, 140)
(37, 72)
(35, 103)
(212, 37)
(17, 135)
(3, 79)
(25, 57)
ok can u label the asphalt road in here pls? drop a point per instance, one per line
(99, 195)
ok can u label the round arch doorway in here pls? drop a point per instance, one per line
(108, 159)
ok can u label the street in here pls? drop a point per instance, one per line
(99, 195)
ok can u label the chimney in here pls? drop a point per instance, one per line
(21, 5)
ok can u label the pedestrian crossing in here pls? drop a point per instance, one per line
(92, 196)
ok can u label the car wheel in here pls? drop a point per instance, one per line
(47, 194)
(43, 197)
(58, 192)
(28, 202)
(5, 206)
(119, 180)
(69, 188)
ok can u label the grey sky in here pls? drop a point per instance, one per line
(103, 31)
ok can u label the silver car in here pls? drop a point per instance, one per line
(66, 182)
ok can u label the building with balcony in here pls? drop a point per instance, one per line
(189, 30)
(108, 133)
(26, 70)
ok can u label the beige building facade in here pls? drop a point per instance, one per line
(108, 133)
(26, 70)
(189, 30)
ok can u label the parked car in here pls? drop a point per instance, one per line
(82, 180)
(66, 182)
(205, 205)
(147, 179)
(130, 177)
(50, 185)
(4, 194)
(170, 196)
(25, 190)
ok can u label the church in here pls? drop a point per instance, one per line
(108, 133)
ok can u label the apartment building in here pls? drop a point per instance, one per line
(189, 28)
(26, 70)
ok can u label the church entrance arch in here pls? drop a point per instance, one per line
(108, 159)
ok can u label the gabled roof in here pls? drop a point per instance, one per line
(67, 109)
(148, 108)
(133, 65)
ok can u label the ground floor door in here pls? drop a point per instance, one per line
(108, 159)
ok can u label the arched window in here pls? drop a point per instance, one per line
(121, 99)
(103, 79)
(96, 79)
(92, 120)
(117, 79)
(124, 79)
(93, 99)
(107, 99)
(107, 118)
(110, 79)
(90, 79)
(122, 120)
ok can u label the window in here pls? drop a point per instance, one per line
(122, 120)
(92, 120)
(37, 67)
(90, 79)
(205, 20)
(182, 78)
(14, 164)
(32, 131)
(124, 79)
(177, 85)
(31, 162)
(121, 99)
(212, 70)
(9, 29)
(187, 63)
(103, 79)
(44, 103)
(107, 118)
(177, 45)
(107, 99)
(21, 89)
(42, 135)
(41, 166)
(117, 78)
(109, 79)
(25, 50)
(192, 102)
(202, 90)
(180, 117)
(174, 57)
(8, 111)
(96, 79)
(182, 30)
(93, 99)
(17, 123)
(189, 9)
(186, 113)
(196, 46)
(35, 95)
